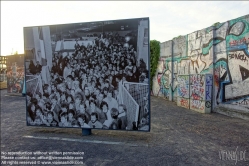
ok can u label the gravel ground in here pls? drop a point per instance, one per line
(178, 136)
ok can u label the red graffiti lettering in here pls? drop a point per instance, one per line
(196, 104)
(237, 42)
(196, 97)
(184, 103)
(196, 107)
(202, 91)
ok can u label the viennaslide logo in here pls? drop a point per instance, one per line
(234, 155)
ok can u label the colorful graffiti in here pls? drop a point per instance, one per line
(162, 80)
(15, 73)
(197, 105)
(183, 86)
(208, 87)
(201, 92)
(182, 102)
(222, 51)
(232, 69)
(197, 90)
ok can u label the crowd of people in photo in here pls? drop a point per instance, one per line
(84, 87)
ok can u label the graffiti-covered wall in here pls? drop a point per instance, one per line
(220, 51)
(15, 73)
(231, 69)
(162, 80)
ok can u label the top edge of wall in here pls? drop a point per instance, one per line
(211, 28)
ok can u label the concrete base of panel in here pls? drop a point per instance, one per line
(228, 110)
(183, 102)
(201, 106)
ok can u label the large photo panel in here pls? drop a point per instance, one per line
(92, 75)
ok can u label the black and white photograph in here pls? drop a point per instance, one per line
(90, 75)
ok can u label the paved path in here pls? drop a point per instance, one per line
(178, 137)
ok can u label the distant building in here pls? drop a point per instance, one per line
(3, 62)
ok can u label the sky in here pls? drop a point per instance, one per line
(168, 19)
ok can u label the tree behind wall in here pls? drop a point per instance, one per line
(154, 58)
